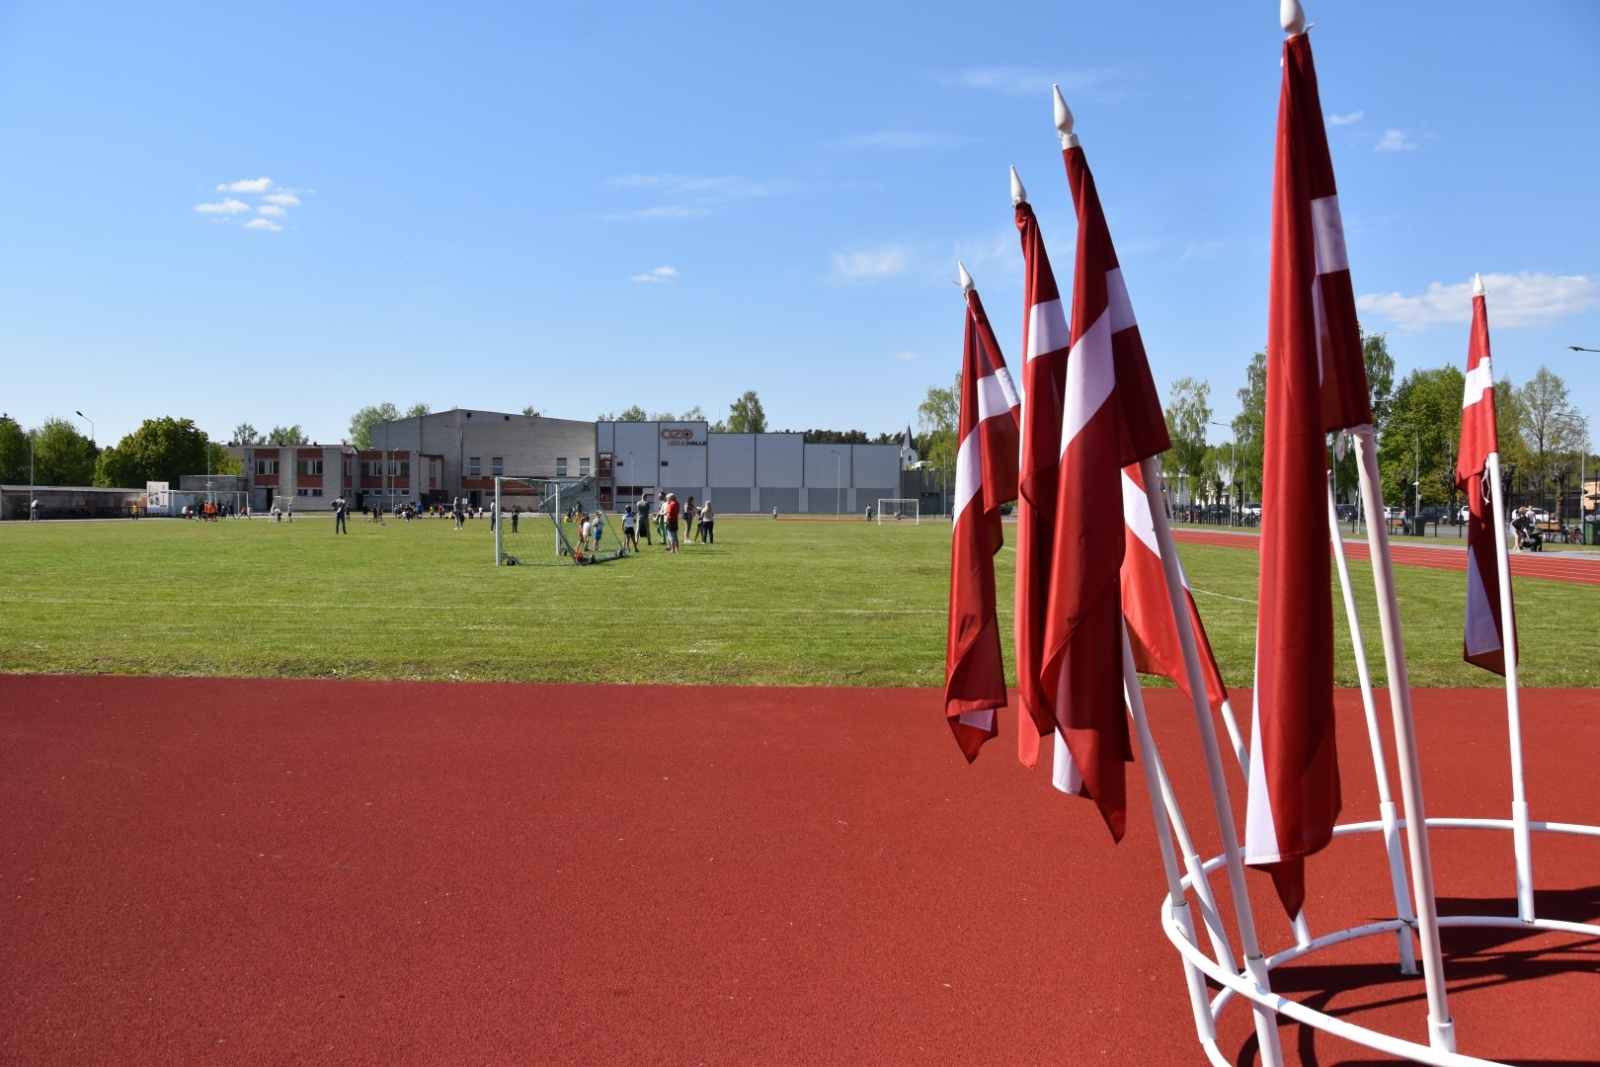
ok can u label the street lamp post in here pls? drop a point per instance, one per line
(90, 421)
(838, 479)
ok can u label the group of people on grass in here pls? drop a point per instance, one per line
(666, 518)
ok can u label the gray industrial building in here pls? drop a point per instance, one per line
(743, 472)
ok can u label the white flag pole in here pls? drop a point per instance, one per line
(1386, 810)
(1255, 963)
(1508, 645)
(1161, 809)
(499, 552)
(1441, 1028)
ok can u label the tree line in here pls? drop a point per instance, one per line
(1543, 437)
(160, 450)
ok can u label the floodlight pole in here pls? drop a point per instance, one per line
(90, 421)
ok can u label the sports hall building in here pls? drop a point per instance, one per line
(432, 459)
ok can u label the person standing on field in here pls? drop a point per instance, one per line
(629, 519)
(459, 510)
(708, 524)
(338, 517)
(673, 512)
(641, 520)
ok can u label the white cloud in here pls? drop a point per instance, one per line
(903, 141)
(693, 196)
(229, 206)
(1346, 120)
(1394, 141)
(864, 266)
(905, 355)
(282, 199)
(660, 274)
(1022, 81)
(262, 224)
(270, 209)
(248, 185)
(1525, 299)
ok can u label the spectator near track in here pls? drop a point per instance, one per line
(338, 516)
(458, 508)
(708, 524)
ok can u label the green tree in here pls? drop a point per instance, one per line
(13, 452)
(287, 435)
(419, 409)
(245, 434)
(1550, 435)
(160, 450)
(746, 415)
(937, 417)
(633, 414)
(1250, 426)
(62, 455)
(835, 437)
(694, 414)
(531, 412)
(362, 422)
(221, 461)
(1188, 416)
(1380, 374)
(1423, 429)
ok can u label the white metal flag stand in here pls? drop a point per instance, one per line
(1416, 911)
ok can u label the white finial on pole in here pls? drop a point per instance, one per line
(967, 284)
(1477, 285)
(1292, 16)
(1064, 121)
(1019, 195)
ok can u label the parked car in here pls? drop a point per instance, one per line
(1253, 510)
(1348, 512)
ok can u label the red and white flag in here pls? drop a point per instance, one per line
(1045, 340)
(1316, 383)
(986, 477)
(1484, 643)
(1152, 631)
(1111, 416)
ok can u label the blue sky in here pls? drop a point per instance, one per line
(583, 207)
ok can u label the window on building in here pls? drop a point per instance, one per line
(497, 466)
(266, 466)
(308, 466)
(561, 466)
(405, 468)
(316, 492)
(583, 466)
(347, 468)
(475, 467)
(302, 491)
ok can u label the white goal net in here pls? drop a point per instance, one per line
(893, 509)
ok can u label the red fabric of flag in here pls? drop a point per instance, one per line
(1483, 643)
(1316, 382)
(1111, 416)
(986, 477)
(1045, 340)
(1152, 631)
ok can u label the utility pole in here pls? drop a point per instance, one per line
(838, 478)
(1233, 464)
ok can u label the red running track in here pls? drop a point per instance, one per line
(282, 871)
(1556, 566)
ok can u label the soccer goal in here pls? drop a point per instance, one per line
(896, 509)
(553, 522)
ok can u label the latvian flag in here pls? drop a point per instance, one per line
(1316, 383)
(986, 477)
(1484, 645)
(1152, 631)
(1045, 340)
(1111, 416)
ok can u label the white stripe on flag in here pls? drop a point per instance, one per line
(983, 720)
(1063, 772)
(969, 473)
(1136, 514)
(1090, 379)
(1260, 830)
(1328, 225)
(1119, 307)
(1483, 630)
(992, 399)
(1047, 328)
(1480, 379)
(1008, 387)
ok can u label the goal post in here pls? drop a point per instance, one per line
(898, 509)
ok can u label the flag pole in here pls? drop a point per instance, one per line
(1162, 808)
(1255, 963)
(1520, 842)
(1386, 810)
(1441, 1028)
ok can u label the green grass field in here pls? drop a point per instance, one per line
(794, 602)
